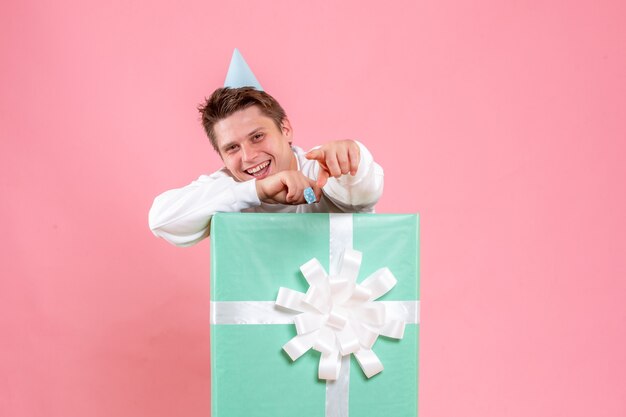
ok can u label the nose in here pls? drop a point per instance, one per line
(248, 152)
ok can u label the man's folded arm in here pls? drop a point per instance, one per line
(182, 216)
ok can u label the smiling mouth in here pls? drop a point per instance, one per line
(259, 171)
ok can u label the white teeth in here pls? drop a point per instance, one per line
(257, 168)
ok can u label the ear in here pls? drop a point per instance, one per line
(287, 130)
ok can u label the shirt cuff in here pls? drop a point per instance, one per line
(245, 195)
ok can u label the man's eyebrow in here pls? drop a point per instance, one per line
(228, 145)
(255, 131)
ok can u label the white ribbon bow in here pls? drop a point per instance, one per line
(339, 317)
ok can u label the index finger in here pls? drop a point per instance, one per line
(316, 154)
(322, 177)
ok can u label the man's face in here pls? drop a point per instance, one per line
(252, 146)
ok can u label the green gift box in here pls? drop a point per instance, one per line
(252, 256)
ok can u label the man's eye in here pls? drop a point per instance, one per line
(257, 137)
(232, 148)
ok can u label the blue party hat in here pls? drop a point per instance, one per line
(240, 74)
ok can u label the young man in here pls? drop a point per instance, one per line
(262, 171)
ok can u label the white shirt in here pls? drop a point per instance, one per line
(182, 216)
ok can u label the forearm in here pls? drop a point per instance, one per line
(182, 216)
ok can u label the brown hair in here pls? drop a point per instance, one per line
(226, 101)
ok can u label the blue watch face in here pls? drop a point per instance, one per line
(309, 195)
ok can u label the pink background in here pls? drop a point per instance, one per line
(502, 123)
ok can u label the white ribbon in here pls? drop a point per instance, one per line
(340, 317)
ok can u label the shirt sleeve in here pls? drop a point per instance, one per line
(358, 193)
(182, 216)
